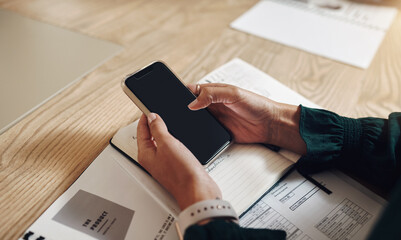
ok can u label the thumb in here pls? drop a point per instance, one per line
(158, 128)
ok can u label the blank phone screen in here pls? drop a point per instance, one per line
(163, 93)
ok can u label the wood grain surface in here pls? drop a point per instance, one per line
(43, 155)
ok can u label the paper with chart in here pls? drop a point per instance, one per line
(305, 212)
(344, 31)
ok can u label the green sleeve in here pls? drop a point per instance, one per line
(370, 148)
(221, 230)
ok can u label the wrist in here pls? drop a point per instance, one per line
(284, 129)
(203, 212)
(196, 189)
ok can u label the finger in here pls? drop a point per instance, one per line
(193, 86)
(145, 142)
(158, 128)
(215, 94)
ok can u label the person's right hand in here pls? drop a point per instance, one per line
(172, 164)
(249, 117)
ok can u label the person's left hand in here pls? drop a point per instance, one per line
(172, 164)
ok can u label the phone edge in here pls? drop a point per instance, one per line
(218, 153)
(132, 96)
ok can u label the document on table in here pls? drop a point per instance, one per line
(108, 202)
(343, 31)
(306, 212)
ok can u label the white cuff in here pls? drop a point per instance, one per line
(203, 210)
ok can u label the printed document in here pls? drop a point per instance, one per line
(344, 31)
(305, 212)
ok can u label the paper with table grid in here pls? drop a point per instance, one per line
(305, 212)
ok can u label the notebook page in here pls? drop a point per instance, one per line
(244, 172)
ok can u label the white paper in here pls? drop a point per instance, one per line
(350, 34)
(306, 212)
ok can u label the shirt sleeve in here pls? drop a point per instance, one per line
(221, 230)
(369, 148)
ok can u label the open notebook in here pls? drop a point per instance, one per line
(244, 172)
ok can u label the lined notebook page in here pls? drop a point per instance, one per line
(244, 171)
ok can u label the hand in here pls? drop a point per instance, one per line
(249, 117)
(172, 164)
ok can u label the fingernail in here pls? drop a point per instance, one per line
(151, 117)
(193, 103)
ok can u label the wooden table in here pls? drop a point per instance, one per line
(42, 155)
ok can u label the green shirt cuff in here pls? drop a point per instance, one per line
(330, 139)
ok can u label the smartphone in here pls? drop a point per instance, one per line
(156, 89)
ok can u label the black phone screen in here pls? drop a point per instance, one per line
(163, 93)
